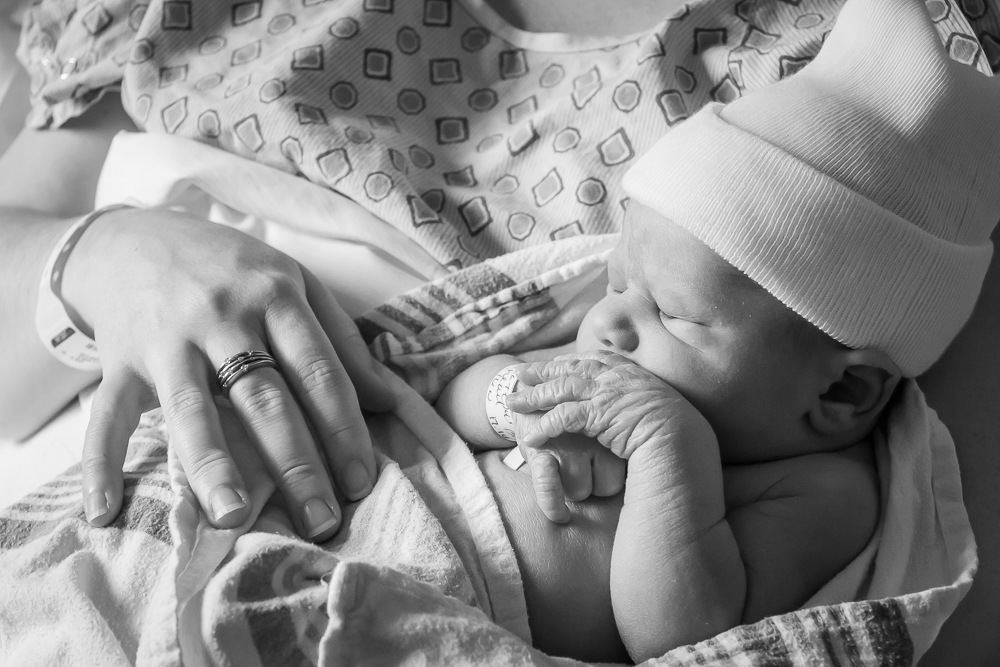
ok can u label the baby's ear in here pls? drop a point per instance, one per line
(858, 385)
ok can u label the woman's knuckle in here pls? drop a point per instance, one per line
(207, 463)
(340, 428)
(278, 286)
(184, 401)
(319, 373)
(297, 473)
(218, 302)
(263, 402)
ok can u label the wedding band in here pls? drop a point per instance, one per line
(238, 365)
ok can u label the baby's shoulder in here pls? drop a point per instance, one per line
(799, 521)
(848, 474)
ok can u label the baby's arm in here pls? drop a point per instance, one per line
(462, 403)
(677, 576)
(694, 556)
(676, 573)
(570, 467)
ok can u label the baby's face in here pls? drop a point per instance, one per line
(676, 308)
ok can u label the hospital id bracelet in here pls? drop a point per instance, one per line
(500, 415)
(60, 334)
(497, 411)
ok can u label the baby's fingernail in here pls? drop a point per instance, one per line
(225, 500)
(357, 483)
(319, 517)
(530, 440)
(96, 506)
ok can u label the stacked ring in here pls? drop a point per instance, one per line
(238, 365)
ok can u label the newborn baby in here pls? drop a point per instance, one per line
(741, 429)
(786, 259)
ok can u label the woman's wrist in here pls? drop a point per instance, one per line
(77, 293)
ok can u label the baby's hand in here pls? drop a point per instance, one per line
(568, 467)
(600, 395)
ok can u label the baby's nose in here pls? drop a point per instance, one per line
(615, 329)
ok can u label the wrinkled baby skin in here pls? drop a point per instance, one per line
(605, 397)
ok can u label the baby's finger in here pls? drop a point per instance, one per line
(113, 417)
(575, 474)
(543, 371)
(197, 437)
(608, 473)
(572, 417)
(547, 483)
(606, 357)
(350, 347)
(550, 394)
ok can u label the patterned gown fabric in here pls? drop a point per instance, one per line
(470, 143)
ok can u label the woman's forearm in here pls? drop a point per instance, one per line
(35, 384)
(47, 179)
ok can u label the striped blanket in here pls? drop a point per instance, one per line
(423, 572)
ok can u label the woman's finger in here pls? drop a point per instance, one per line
(113, 417)
(551, 393)
(320, 382)
(273, 419)
(608, 473)
(543, 371)
(350, 347)
(569, 417)
(547, 483)
(196, 434)
(575, 473)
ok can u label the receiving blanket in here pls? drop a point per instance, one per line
(423, 571)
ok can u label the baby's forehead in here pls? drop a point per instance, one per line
(669, 253)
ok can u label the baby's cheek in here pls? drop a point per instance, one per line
(586, 341)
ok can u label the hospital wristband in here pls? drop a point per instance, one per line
(60, 335)
(497, 412)
(500, 416)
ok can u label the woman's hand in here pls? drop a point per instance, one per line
(599, 395)
(170, 298)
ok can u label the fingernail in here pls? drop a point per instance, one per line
(96, 506)
(318, 517)
(357, 482)
(225, 501)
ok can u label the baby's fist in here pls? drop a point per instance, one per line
(604, 396)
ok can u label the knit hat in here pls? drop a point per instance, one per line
(861, 191)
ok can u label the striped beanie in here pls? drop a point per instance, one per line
(861, 192)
